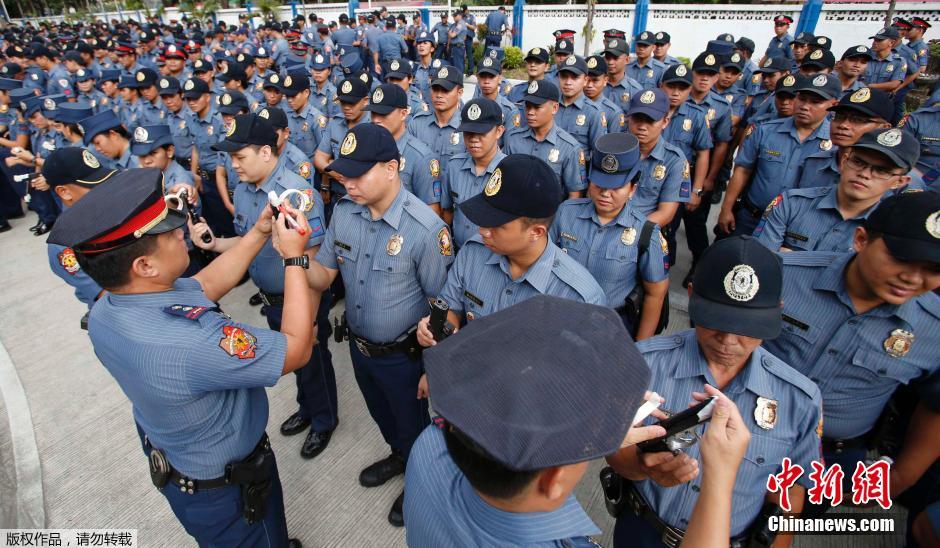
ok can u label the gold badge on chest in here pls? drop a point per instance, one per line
(553, 155)
(394, 244)
(765, 413)
(899, 343)
(628, 236)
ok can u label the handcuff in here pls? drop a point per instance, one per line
(181, 197)
(278, 200)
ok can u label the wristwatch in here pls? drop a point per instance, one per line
(302, 261)
(698, 191)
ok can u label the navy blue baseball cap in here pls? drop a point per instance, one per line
(98, 123)
(574, 65)
(540, 91)
(8, 84)
(74, 166)
(73, 113)
(821, 58)
(320, 62)
(774, 64)
(496, 54)
(110, 75)
(364, 146)
(145, 78)
(645, 38)
(886, 33)
(424, 37)
(826, 86)
(706, 61)
(859, 51)
(565, 46)
(873, 102)
(909, 222)
(195, 88)
(804, 38)
(350, 62)
(387, 98)
(146, 139)
(275, 116)
(50, 105)
(245, 130)
(520, 186)
(233, 71)
(677, 73)
(168, 85)
(480, 115)
(615, 160)
(397, 68)
(447, 77)
(83, 75)
(233, 102)
(737, 287)
(901, 147)
(124, 208)
(351, 90)
(720, 48)
(489, 65)
(31, 105)
(652, 103)
(537, 394)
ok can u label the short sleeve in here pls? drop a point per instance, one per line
(654, 264)
(453, 287)
(773, 224)
(231, 355)
(436, 256)
(326, 256)
(676, 186)
(806, 448)
(445, 182)
(315, 217)
(750, 146)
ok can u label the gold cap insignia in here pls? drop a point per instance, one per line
(231, 129)
(264, 114)
(816, 54)
(90, 160)
(862, 95)
(141, 76)
(681, 70)
(610, 164)
(648, 97)
(709, 59)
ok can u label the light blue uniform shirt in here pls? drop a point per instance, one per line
(808, 219)
(266, 269)
(419, 170)
(206, 132)
(64, 265)
(150, 114)
(647, 75)
(664, 177)
(616, 120)
(780, 44)
(607, 251)
(921, 52)
(718, 113)
(736, 98)
(390, 45)
(444, 141)
(331, 139)
(678, 368)
(583, 120)
(820, 168)
(306, 127)
(924, 124)
(495, 21)
(461, 183)
(561, 151)
(775, 155)
(480, 282)
(324, 99)
(195, 377)
(59, 81)
(689, 131)
(621, 92)
(387, 289)
(844, 352)
(442, 509)
(893, 67)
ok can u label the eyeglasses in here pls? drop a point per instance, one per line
(853, 119)
(780, 24)
(877, 172)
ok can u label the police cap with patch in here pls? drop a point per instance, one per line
(537, 394)
(617, 47)
(706, 62)
(805, 38)
(540, 91)
(574, 65)
(826, 86)
(787, 85)
(387, 98)
(480, 115)
(490, 65)
(99, 123)
(234, 71)
(900, 146)
(74, 166)
(677, 73)
(736, 289)
(859, 51)
(73, 113)
(615, 160)
(397, 68)
(652, 103)
(645, 38)
(247, 129)
(275, 116)
(662, 38)
(146, 139)
(351, 90)
(195, 88)
(233, 102)
(909, 222)
(520, 186)
(145, 77)
(821, 58)
(364, 146)
(564, 46)
(745, 44)
(886, 33)
(872, 102)
(168, 85)
(774, 64)
(447, 77)
(596, 65)
(537, 54)
(123, 209)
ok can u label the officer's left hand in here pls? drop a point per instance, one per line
(191, 195)
(39, 183)
(694, 201)
(265, 220)
(291, 242)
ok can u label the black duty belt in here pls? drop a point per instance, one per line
(746, 205)
(191, 486)
(271, 299)
(671, 536)
(837, 446)
(185, 162)
(370, 349)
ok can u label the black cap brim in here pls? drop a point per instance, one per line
(491, 71)
(906, 249)
(381, 109)
(615, 52)
(757, 323)
(446, 84)
(397, 75)
(481, 213)
(854, 107)
(174, 219)
(228, 146)
(475, 127)
(194, 94)
(350, 168)
(535, 100)
(574, 70)
(819, 92)
(343, 98)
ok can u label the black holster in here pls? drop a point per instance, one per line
(253, 477)
(612, 485)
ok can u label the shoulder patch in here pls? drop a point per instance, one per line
(68, 261)
(238, 343)
(773, 203)
(445, 243)
(304, 170)
(186, 311)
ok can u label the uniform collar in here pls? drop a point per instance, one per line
(625, 218)
(551, 136)
(125, 160)
(657, 152)
(470, 165)
(752, 376)
(521, 529)
(185, 291)
(393, 214)
(538, 275)
(579, 102)
(789, 127)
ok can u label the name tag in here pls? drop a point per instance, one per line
(795, 236)
(772, 152)
(795, 322)
(473, 298)
(571, 237)
(338, 243)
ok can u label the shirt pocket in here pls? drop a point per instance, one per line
(575, 248)
(624, 254)
(763, 457)
(874, 366)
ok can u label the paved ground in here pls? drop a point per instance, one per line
(93, 473)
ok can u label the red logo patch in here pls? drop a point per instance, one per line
(68, 261)
(238, 342)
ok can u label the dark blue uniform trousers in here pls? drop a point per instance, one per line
(214, 212)
(316, 381)
(214, 517)
(634, 531)
(40, 201)
(390, 386)
(458, 57)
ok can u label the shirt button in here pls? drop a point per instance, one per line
(695, 488)
(368, 255)
(372, 230)
(853, 321)
(509, 291)
(760, 460)
(362, 282)
(832, 351)
(882, 371)
(358, 306)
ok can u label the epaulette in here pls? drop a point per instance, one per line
(810, 258)
(808, 192)
(423, 214)
(665, 342)
(186, 311)
(781, 370)
(567, 270)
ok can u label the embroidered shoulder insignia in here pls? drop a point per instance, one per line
(186, 311)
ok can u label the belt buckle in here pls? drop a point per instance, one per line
(362, 348)
(672, 537)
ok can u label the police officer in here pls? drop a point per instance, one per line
(618, 246)
(768, 161)
(393, 252)
(294, 159)
(924, 124)
(779, 45)
(496, 24)
(581, 118)
(306, 121)
(564, 48)
(439, 32)
(71, 173)
(110, 138)
(852, 67)
(861, 324)
(153, 146)
(252, 144)
(594, 90)
(424, 44)
(824, 218)
(544, 139)
(176, 119)
(214, 457)
(765, 79)
(729, 74)
(662, 41)
(151, 110)
(57, 78)
(398, 72)
(467, 173)
(645, 69)
(418, 169)
(857, 113)
(390, 45)
(620, 87)
(457, 37)
(322, 90)
(735, 304)
(505, 477)
(353, 97)
(800, 47)
(438, 126)
(536, 65)
(887, 69)
(664, 182)
(85, 82)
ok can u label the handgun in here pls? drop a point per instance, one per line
(438, 324)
